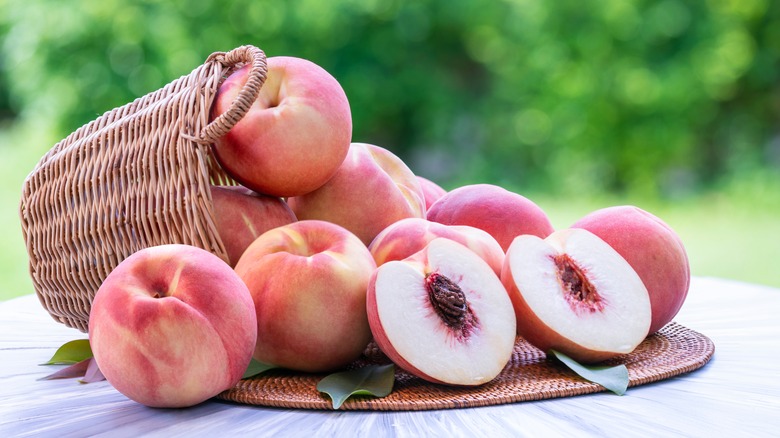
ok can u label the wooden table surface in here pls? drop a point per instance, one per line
(736, 394)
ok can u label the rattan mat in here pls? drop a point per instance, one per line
(671, 351)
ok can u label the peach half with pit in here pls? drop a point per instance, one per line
(652, 248)
(442, 315)
(574, 294)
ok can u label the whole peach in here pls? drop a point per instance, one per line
(308, 281)
(652, 248)
(502, 213)
(172, 326)
(242, 215)
(372, 189)
(431, 191)
(295, 135)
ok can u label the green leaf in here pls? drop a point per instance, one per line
(613, 378)
(256, 368)
(71, 352)
(376, 380)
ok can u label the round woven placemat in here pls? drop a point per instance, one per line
(529, 375)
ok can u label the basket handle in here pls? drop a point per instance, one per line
(246, 96)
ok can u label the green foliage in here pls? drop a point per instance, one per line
(657, 97)
(71, 352)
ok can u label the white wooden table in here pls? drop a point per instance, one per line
(736, 394)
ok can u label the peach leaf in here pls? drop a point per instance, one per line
(613, 378)
(373, 380)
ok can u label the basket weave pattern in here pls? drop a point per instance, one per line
(671, 351)
(135, 177)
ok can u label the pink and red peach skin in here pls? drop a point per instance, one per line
(372, 189)
(409, 236)
(503, 214)
(431, 191)
(172, 326)
(308, 282)
(652, 248)
(295, 135)
(242, 215)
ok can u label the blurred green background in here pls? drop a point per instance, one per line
(670, 105)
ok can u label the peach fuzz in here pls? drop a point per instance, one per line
(431, 191)
(242, 215)
(502, 213)
(308, 281)
(652, 248)
(295, 135)
(172, 326)
(409, 236)
(372, 189)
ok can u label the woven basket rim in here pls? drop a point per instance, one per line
(136, 176)
(529, 376)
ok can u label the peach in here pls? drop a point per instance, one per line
(172, 326)
(372, 189)
(442, 315)
(295, 135)
(574, 293)
(408, 236)
(431, 191)
(242, 215)
(308, 281)
(502, 213)
(652, 248)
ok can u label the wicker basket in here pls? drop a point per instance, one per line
(137, 176)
